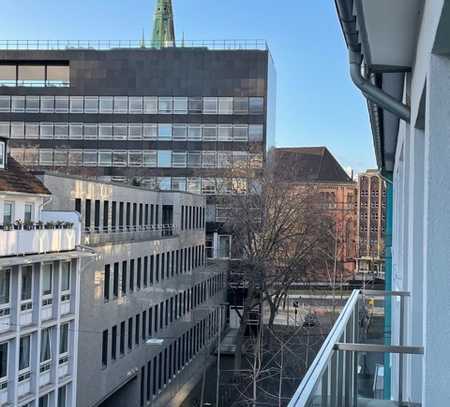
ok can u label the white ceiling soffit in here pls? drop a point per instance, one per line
(388, 32)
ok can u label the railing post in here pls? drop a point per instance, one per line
(324, 393)
(355, 354)
(400, 356)
(333, 374)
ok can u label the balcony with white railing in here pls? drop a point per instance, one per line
(55, 232)
(128, 233)
(338, 376)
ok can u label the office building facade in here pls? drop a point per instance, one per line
(39, 293)
(371, 223)
(149, 301)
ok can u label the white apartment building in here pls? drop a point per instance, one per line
(39, 293)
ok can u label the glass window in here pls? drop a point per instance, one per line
(256, 105)
(2, 154)
(3, 360)
(106, 104)
(76, 104)
(164, 183)
(150, 131)
(135, 132)
(120, 104)
(240, 133)
(91, 104)
(208, 186)
(210, 105)
(209, 159)
(31, 130)
(28, 212)
(240, 105)
(90, 158)
(46, 130)
(61, 130)
(135, 158)
(47, 104)
(179, 132)
(225, 105)
(165, 132)
(17, 130)
(165, 105)
(31, 156)
(46, 351)
(195, 105)
(4, 129)
(31, 73)
(224, 247)
(47, 278)
(194, 159)
(24, 352)
(64, 339)
(65, 276)
(135, 104)
(58, 73)
(5, 286)
(256, 133)
(61, 104)
(26, 283)
(225, 132)
(46, 157)
(164, 159)
(104, 158)
(8, 75)
(179, 160)
(32, 104)
(5, 104)
(120, 131)
(105, 131)
(150, 105)
(194, 185)
(18, 104)
(195, 132)
(179, 184)
(8, 213)
(150, 159)
(180, 105)
(75, 158)
(120, 158)
(209, 133)
(90, 131)
(60, 158)
(44, 401)
(224, 159)
(62, 396)
(76, 131)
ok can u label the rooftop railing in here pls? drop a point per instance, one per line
(66, 45)
(333, 377)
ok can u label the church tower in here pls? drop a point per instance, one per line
(163, 30)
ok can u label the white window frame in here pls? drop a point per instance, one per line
(161, 126)
(162, 100)
(86, 133)
(61, 153)
(91, 99)
(17, 128)
(150, 159)
(179, 159)
(120, 104)
(206, 128)
(197, 154)
(76, 104)
(26, 304)
(5, 128)
(150, 131)
(239, 138)
(76, 135)
(5, 307)
(136, 127)
(135, 101)
(120, 163)
(18, 101)
(105, 163)
(90, 163)
(65, 101)
(169, 156)
(180, 105)
(150, 105)
(109, 101)
(225, 105)
(46, 126)
(210, 105)
(131, 162)
(221, 131)
(206, 157)
(49, 151)
(196, 128)
(6, 99)
(29, 134)
(103, 126)
(182, 127)
(32, 100)
(120, 131)
(51, 101)
(62, 125)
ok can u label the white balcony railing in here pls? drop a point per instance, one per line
(44, 237)
(333, 377)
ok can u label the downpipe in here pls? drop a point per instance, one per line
(375, 94)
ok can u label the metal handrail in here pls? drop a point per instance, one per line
(50, 45)
(320, 363)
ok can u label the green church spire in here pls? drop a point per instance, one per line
(163, 30)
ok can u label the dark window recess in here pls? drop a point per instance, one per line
(154, 376)
(149, 369)
(152, 214)
(114, 342)
(152, 269)
(182, 217)
(157, 214)
(105, 215)
(141, 214)
(78, 205)
(97, 215)
(142, 385)
(146, 271)
(124, 277)
(87, 215)
(157, 268)
(132, 275)
(121, 215)
(139, 273)
(144, 325)
(122, 338)
(116, 280)
(130, 333)
(146, 217)
(134, 215)
(156, 318)
(150, 321)
(106, 282)
(163, 261)
(128, 215)
(105, 349)
(113, 215)
(137, 329)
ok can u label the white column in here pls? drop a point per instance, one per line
(436, 389)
